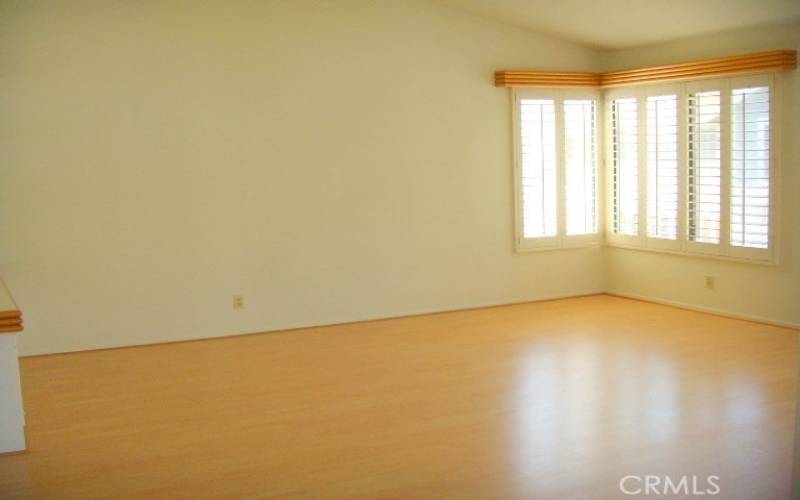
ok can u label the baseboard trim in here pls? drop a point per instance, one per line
(289, 328)
(542, 298)
(708, 310)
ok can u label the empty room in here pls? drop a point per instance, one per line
(399, 249)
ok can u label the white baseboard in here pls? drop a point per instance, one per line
(406, 314)
(704, 309)
(435, 310)
(344, 321)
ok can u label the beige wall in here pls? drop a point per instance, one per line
(749, 290)
(331, 161)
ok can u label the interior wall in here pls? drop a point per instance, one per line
(749, 290)
(330, 161)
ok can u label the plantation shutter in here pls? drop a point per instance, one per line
(750, 167)
(625, 163)
(704, 166)
(662, 167)
(538, 165)
(580, 166)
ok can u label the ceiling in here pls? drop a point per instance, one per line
(619, 24)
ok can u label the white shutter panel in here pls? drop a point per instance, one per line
(625, 163)
(705, 167)
(662, 167)
(538, 165)
(750, 167)
(580, 153)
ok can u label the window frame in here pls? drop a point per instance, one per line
(683, 246)
(561, 240)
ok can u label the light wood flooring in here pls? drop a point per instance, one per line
(557, 399)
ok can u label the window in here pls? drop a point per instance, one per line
(556, 168)
(697, 159)
(687, 154)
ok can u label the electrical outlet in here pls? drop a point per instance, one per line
(238, 302)
(710, 282)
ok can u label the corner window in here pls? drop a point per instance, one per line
(692, 163)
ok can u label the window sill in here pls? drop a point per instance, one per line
(723, 258)
(520, 248)
(680, 253)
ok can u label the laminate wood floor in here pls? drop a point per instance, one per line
(557, 399)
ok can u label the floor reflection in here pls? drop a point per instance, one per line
(598, 406)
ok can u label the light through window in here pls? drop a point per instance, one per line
(625, 158)
(662, 166)
(556, 171)
(704, 166)
(580, 161)
(690, 167)
(750, 172)
(538, 158)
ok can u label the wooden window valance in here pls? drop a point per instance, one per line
(723, 66)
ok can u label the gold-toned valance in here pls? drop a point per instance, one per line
(723, 66)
